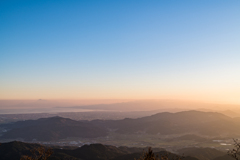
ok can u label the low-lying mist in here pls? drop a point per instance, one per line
(55, 106)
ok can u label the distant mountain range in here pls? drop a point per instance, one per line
(204, 123)
(163, 105)
(187, 122)
(55, 128)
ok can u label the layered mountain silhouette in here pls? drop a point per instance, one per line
(187, 122)
(204, 123)
(55, 128)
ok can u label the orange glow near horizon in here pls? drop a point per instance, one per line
(108, 97)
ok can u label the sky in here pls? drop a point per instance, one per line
(121, 49)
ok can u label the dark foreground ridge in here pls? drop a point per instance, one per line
(14, 151)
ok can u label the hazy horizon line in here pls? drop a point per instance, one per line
(126, 100)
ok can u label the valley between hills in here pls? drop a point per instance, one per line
(188, 132)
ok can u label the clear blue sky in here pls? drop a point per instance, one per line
(120, 49)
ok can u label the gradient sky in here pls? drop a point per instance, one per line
(120, 49)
